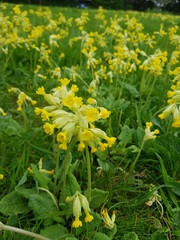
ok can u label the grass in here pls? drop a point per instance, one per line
(134, 97)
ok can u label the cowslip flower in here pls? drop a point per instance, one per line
(108, 222)
(22, 98)
(148, 133)
(79, 201)
(2, 112)
(67, 113)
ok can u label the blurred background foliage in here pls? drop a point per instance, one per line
(139, 5)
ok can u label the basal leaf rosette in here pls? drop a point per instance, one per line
(67, 113)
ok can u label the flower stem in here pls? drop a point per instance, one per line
(89, 173)
(65, 167)
(57, 167)
(21, 231)
(137, 157)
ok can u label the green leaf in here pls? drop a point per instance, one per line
(175, 186)
(98, 198)
(55, 232)
(166, 179)
(40, 177)
(125, 136)
(71, 238)
(44, 207)
(132, 90)
(159, 235)
(102, 236)
(13, 128)
(176, 233)
(23, 179)
(102, 155)
(13, 203)
(73, 183)
(140, 135)
(106, 166)
(130, 236)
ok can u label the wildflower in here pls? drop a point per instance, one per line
(148, 133)
(41, 91)
(79, 201)
(91, 101)
(49, 128)
(92, 114)
(155, 197)
(2, 112)
(104, 113)
(62, 138)
(109, 222)
(44, 170)
(1, 176)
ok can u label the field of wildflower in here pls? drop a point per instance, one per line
(89, 124)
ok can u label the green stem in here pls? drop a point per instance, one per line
(65, 166)
(89, 173)
(21, 231)
(51, 195)
(141, 89)
(122, 85)
(116, 83)
(54, 146)
(57, 167)
(150, 91)
(137, 157)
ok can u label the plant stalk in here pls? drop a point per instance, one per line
(137, 157)
(65, 167)
(21, 231)
(88, 173)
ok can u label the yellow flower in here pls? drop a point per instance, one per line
(41, 91)
(86, 135)
(37, 111)
(85, 205)
(110, 141)
(78, 200)
(1, 176)
(44, 115)
(176, 123)
(104, 113)
(148, 133)
(103, 146)
(62, 137)
(91, 101)
(64, 81)
(77, 223)
(22, 96)
(34, 102)
(69, 101)
(81, 146)
(49, 128)
(19, 109)
(74, 88)
(109, 222)
(92, 114)
(2, 112)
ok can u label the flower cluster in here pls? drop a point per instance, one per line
(67, 113)
(79, 201)
(22, 98)
(148, 133)
(174, 100)
(108, 222)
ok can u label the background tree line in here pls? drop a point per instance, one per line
(140, 5)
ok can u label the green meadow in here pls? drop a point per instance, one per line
(89, 124)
